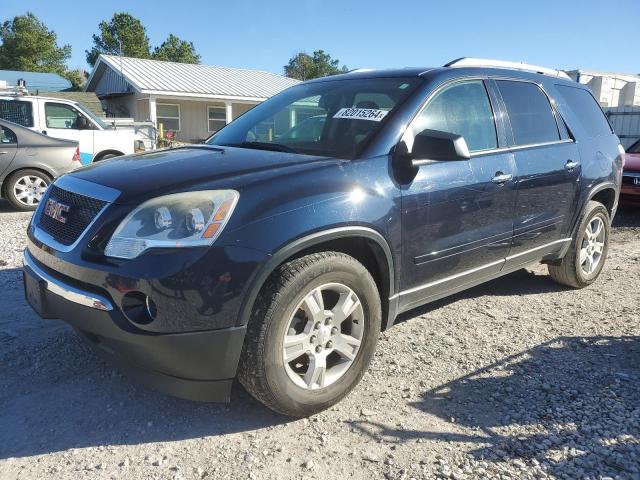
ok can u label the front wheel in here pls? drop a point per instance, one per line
(312, 334)
(585, 259)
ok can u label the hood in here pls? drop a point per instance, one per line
(196, 167)
(632, 162)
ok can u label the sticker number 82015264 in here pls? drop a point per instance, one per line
(371, 114)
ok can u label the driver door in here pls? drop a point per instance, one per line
(457, 215)
(63, 121)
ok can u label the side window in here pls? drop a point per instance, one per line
(217, 117)
(586, 110)
(169, 116)
(58, 115)
(17, 111)
(530, 114)
(463, 109)
(7, 136)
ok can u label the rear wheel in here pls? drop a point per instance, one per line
(312, 334)
(585, 259)
(25, 188)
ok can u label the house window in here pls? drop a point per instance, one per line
(217, 117)
(169, 116)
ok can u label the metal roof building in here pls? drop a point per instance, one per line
(48, 82)
(191, 100)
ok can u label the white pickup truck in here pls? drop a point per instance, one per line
(61, 118)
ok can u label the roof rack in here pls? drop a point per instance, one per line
(6, 89)
(484, 62)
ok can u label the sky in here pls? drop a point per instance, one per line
(263, 35)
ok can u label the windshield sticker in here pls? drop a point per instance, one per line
(361, 114)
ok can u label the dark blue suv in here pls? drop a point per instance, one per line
(276, 254)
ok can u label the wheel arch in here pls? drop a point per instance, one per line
(98, 156)
(364, 244)
(605, 193)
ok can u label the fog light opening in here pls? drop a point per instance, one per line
(152, 310)
(139, 308)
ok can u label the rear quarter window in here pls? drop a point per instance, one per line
(17, 111)
(585, 109)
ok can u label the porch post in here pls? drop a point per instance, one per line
(152, 110)
(228, 111)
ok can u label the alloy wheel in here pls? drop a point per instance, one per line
(323, 336)
(592, 245)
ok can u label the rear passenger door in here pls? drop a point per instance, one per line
(548, 171)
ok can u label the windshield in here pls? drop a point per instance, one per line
(92, 116)
(334, 118)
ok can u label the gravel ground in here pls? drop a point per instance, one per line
(518, 378)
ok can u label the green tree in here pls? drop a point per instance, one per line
(27, 44)
(123, 34)
(77, 77)
(174, 49)
(305, 67)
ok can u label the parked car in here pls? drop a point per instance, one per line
(631, 173)
(70, 120)
(279, 261)
(29, 161)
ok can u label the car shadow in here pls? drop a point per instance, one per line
(57, 394)
(570, 403)
(628, 215)
(519, 283)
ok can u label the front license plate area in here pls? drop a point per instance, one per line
(34, 292)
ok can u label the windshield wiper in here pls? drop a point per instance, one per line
(275, 147)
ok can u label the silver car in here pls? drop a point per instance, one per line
(29, 161)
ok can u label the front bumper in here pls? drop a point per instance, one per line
(197, 365)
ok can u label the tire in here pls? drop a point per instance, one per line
(24, 188)
(573, 272)
(106, 157)
(280, 312)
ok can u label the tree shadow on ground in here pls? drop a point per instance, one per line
(571, 405)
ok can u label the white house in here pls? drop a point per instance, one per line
(610, 89)
(194, 101)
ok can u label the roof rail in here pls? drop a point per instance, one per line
(484, 62)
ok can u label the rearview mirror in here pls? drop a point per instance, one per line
(436, 145)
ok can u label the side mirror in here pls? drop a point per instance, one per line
(436, 145)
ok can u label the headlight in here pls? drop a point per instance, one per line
(180, 220)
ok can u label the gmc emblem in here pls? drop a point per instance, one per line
(56, 210)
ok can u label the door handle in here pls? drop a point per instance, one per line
(3, 153)
(501, 178)
(570, 165)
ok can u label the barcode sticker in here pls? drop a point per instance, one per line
(371, 114)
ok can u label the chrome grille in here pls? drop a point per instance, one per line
(82, 211)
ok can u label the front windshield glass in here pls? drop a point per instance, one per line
(334, 118)
(93, 116)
